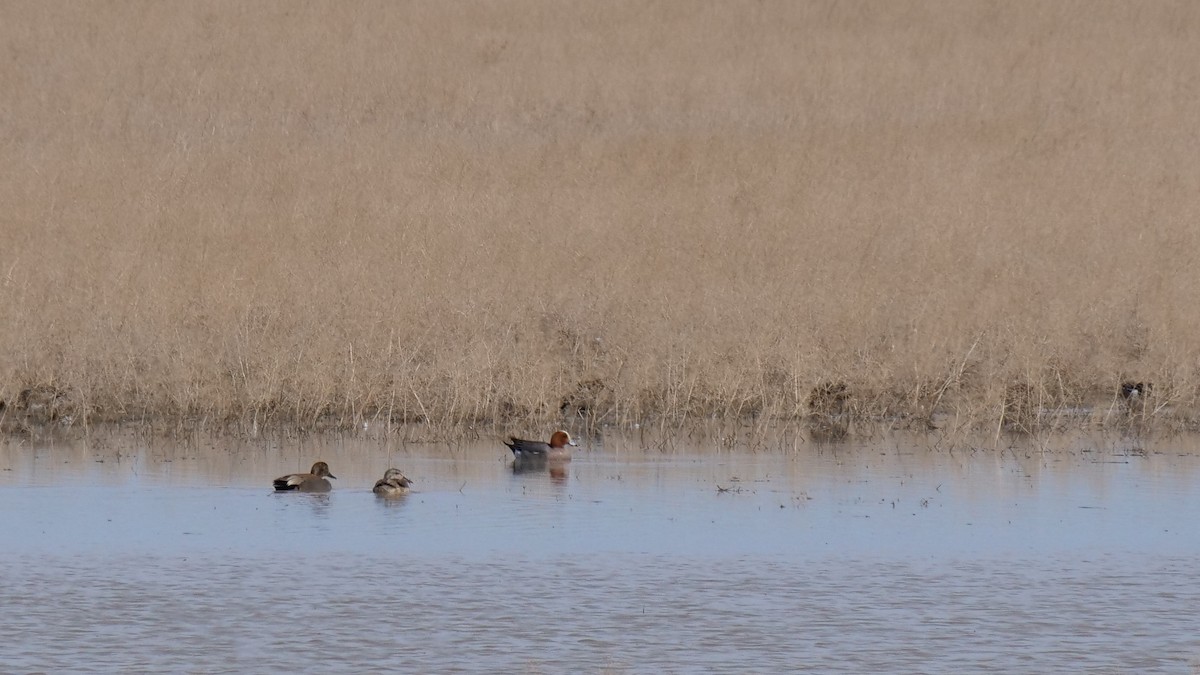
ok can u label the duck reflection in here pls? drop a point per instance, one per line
(529, 464)
(391, 502)
(540, 464)
(317, 502)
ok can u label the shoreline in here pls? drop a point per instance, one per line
(1118, 417)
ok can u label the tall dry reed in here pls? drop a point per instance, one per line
(503, 213)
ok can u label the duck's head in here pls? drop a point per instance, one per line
(321, 469)
(560, 439)
(397, 476)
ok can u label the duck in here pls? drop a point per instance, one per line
(393, 484)
(1131, 391)
(313, 481)
(556, 449)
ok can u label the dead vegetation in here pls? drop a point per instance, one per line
(932, 214)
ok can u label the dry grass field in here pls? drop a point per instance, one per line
(507, 213)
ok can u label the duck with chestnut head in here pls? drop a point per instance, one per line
(556, 449)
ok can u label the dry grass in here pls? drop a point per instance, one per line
(474, 213)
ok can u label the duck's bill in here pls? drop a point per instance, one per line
(332, 476)
(573, 444)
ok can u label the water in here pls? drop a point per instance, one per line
(125, 555)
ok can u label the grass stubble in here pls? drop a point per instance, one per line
(962, 215)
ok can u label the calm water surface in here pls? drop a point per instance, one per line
(133, 555)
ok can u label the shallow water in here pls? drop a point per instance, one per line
(885, 557)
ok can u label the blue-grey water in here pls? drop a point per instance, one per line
(125, 555)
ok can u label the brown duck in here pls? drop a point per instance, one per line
(313, 481)
(393, 484)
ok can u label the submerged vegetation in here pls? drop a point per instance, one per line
(932, 214)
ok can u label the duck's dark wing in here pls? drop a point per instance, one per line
(289, 482)
(523, 447)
